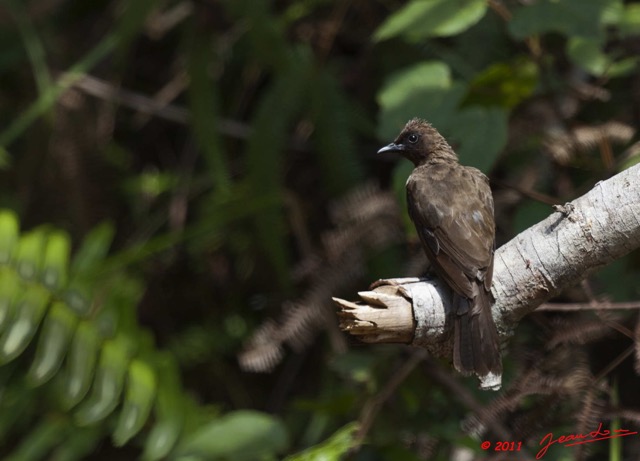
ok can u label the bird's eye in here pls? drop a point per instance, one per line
(413, 138)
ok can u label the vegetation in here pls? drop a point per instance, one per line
(186, 183)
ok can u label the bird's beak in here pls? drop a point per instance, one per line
(393, 147)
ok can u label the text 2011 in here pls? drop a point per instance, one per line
(507, 446)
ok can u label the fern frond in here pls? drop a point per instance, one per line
(365, 218)
(564, 147)
(578, 331)
(103, 371)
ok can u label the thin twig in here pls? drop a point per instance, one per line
(371, 408)
(529, 193)
(104, 90)
(570, 307)
(168, 93)
(500, 10)
(159, 23)
(612, 365)
(462, 393)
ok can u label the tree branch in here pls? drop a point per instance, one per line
(579, 238)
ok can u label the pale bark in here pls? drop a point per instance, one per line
(579, 238)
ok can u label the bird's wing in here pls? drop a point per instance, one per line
(452, 210)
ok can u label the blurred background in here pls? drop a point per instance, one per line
(211, 168)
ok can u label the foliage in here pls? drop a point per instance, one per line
(109, 362)
(332, 449)
(231, 145)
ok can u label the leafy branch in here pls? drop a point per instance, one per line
(102, 369)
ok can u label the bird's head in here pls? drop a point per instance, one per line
(419, 141)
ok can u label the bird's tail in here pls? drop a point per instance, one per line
(476, 346)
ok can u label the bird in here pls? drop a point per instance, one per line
(451, 206)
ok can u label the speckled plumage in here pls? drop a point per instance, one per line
(452, 208)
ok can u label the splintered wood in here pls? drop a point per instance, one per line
(384, 316)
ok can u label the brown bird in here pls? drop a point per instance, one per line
(452, 208)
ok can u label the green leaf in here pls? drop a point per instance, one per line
(30, 308)
(150, 184)
(481, 133)
(589, 55)
(570, 17)
(9, 229)
(627, 163)
(422, 90)
(32, 43)
(5, 158)
(432, 18)
(240, 435)
(93, 250)
(265, 34)
(108, 383)
(332, 135)
(29, 251)
(132, 19)
(56, 260)
(53, 342)
(613, 14)
(87, 261)
(265, 162)
(11, 287)
(78, 294)
(79, 443)
(425, 75)
(332, 449)
(630, 21)
(504, 84)
(47, 99)
(140, 395)
(117, 309)
(169, 410)
(477, 133)
(80, 365)
(203, 101)
(168, 427)
(39, 441)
